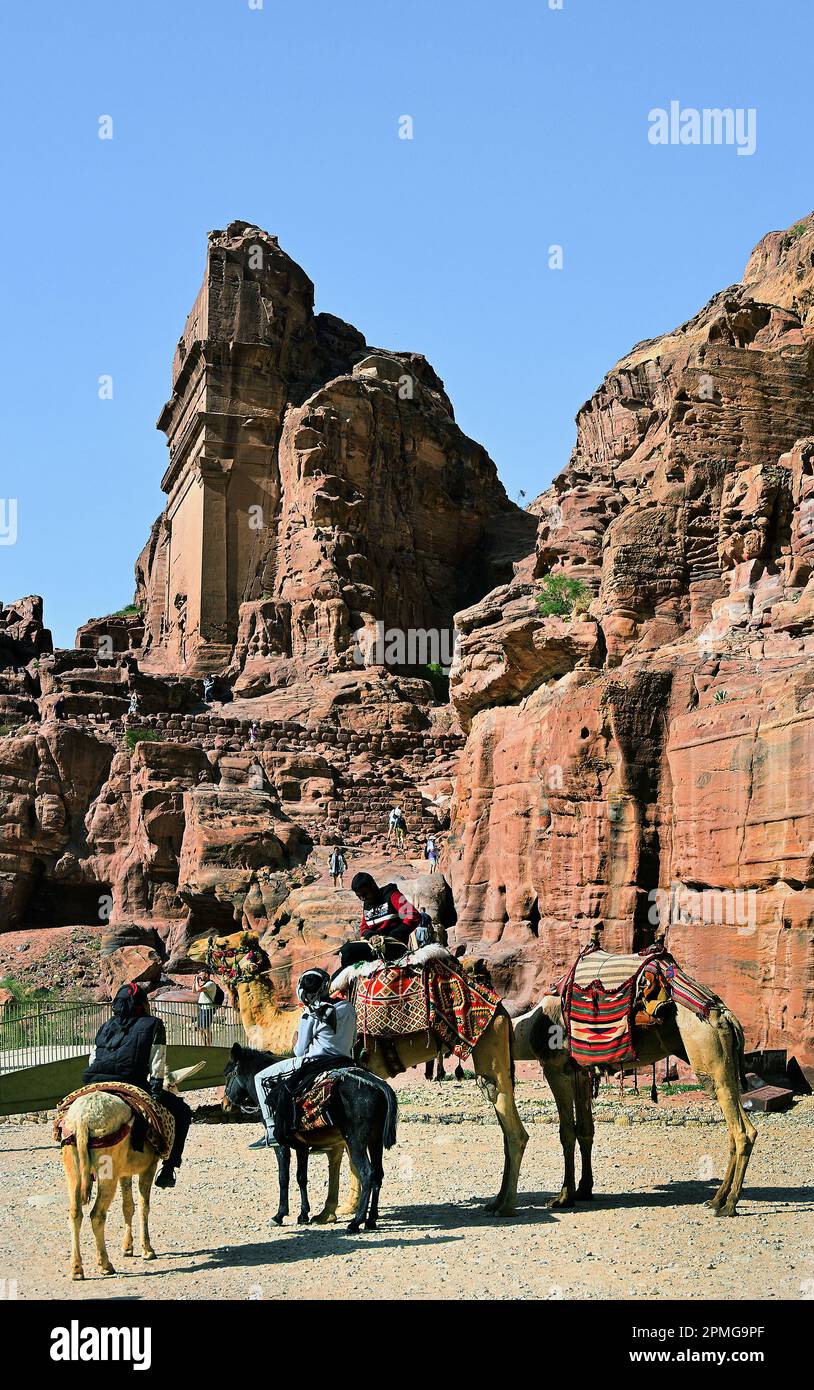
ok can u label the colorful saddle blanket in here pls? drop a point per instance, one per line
(602, 993)
(160, 1124)
(313, 1102)
(396, 1000)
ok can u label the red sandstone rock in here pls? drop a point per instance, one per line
(679, 758)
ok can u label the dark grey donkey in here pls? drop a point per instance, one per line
(363, 1109)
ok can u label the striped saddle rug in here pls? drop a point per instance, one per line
(601, 994)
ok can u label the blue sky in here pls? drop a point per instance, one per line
(529, 129)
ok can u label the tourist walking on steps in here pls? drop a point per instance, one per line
(396, 827)
(133, 706)
(208, 687)
(325, 1040)
(132, 1047)
(254, 735)
(431, 853)
(337, 865)
(386, 915)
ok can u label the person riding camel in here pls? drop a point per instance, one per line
(325, 1040)
(132, 1047)
(388, 919)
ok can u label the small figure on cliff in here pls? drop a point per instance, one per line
(132, 708)
(208, 687)
(396, 827)
(337, 865)
(431, 853)
(254, 735)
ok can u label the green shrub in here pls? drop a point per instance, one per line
(720, 696)
(560, 596)
(129, 611)
(438, 677)
(134, 736)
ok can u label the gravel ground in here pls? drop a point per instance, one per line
(646, 1229)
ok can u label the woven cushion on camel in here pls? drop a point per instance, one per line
(160, 1123)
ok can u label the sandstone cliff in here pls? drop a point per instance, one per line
(655, 753)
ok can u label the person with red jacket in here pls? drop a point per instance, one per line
(385, 913)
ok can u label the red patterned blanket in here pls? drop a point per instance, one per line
(391, 1002)
(395, 1001)
(313, 1107)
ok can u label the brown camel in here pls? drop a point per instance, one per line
(242, 964)
(98, 1115)
(713, 1047)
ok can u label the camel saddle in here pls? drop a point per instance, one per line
(424, 992)
(607, 999)
(151, 1121)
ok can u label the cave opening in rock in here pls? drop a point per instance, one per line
(54, 904)
(534, 917)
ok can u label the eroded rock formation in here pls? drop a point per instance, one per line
(655, 754)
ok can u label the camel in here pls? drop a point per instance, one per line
(364, 1116)
(240, 962)
(713, 1047)
(94, 1116)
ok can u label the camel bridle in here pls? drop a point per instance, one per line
(236, 965)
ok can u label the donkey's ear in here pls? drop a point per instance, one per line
(237, 1052)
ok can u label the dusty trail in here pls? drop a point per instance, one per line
(646, 1230)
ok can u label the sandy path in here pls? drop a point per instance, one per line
(646, 1230)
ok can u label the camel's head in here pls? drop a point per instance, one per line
(234, 959)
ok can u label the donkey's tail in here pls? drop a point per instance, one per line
(391, 1118)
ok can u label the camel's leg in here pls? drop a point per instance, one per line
(74, 1209)
(145, 1182)
(106, 1188)
(561, 1080)
(327, 1216)
(284, 1174)
(719, 1197)
(742, 1134)
(584, 1112)
(302, 1184)
(351, 1202)
(712, 1050)
(493, 1067)
(128, 1207)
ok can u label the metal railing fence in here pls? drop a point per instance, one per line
(34, 1034)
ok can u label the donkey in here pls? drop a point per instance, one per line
(363, 1110)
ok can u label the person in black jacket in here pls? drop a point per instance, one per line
(132, 1047)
